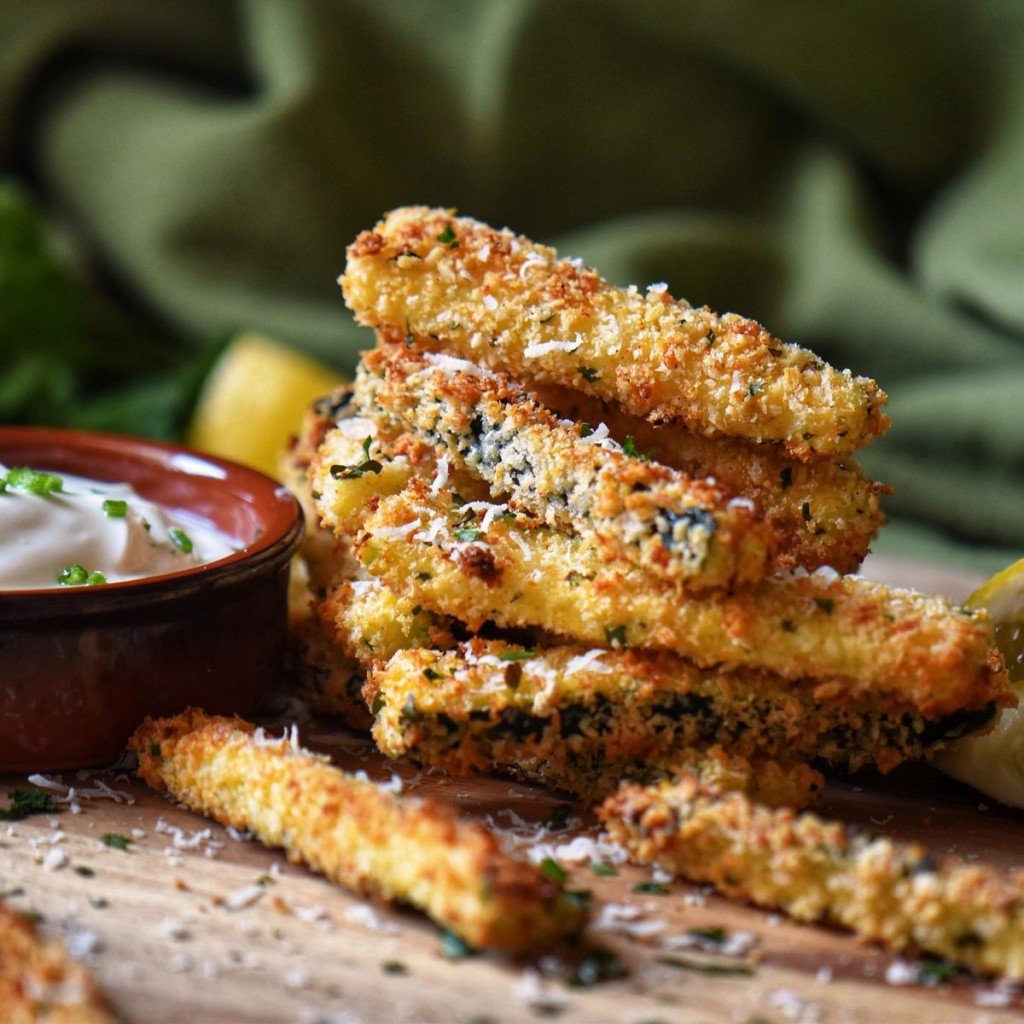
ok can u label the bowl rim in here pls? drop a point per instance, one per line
(277, 542)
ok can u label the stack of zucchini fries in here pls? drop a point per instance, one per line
(595, 538)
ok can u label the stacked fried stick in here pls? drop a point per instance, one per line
(599, 539)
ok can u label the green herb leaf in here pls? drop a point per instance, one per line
(84, 870)
(601, 868)
(550, 868)
(755, 389)
(615, 635)
(115, 840)
(653, 888)
(95, 578)
(630, 449)
(938, 971)
(432, 674)
(394, 967)
(468, 534)
(589, 374)
(181, 540)
(449, 238)
(716, 936)
(26, 802)
(546, 319)
(826, 604)
(517, 655)
(115, 508)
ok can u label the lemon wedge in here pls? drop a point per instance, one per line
(994, 763)
(253, 401)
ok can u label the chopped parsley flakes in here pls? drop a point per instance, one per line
(26, 802)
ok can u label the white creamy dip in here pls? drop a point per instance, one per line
(58, 530)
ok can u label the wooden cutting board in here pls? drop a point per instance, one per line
(191, 925)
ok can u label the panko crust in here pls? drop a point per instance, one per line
(819, 870)
(857, 639)
(376, 843)
(584, 720)
(686, 528)
(447, 283)
(825, 512)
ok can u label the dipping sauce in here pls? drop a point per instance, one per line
(67, 531)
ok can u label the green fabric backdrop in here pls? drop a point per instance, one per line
(852, 174)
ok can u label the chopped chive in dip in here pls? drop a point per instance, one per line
(79, 576)
(181, 540)
(115, 508)
(33, 481)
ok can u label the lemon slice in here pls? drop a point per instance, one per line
(253, 401)
(994, 763)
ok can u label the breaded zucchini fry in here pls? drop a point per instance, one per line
(584, 720)
(683, 528)
(40, 983)
(817, 870)
(827, 513)
(453, 284)
(379, 844)
(854, 638)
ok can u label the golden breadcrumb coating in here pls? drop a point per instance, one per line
(818, 870)
(452, 284)
(855, 638)
(565, 473)
(583, 720)
(325, 674)
(374, 842)
(40, 983)
(827, 513)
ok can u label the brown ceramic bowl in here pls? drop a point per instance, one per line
(81, 667)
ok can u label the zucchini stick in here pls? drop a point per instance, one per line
(373, 842)
(856, 639)
(818, 870)
(452, 284)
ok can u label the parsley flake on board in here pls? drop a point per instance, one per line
(550, 868)
(115, 840)
(26, 802)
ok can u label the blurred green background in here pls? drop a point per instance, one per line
(850, 174)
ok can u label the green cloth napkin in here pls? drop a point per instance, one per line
(850, 174)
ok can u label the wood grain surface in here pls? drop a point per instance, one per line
(197, 926)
